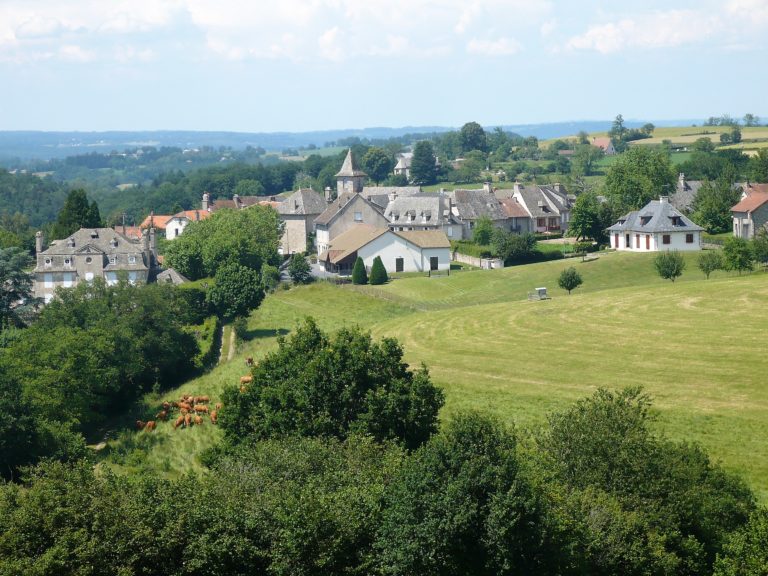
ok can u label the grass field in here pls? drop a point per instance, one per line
(696, 346)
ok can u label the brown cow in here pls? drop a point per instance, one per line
(140, 424)
(219, 405)
(185, 406)
(166, 406)
(198, 420)
(202, 399)
(249, 361)
(201, 408)
(242, 389)
(214, 417)
(187, 420)
(162, 415)
(179, 422)
(150, 426)
(246, 379)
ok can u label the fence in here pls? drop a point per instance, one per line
(485, 263)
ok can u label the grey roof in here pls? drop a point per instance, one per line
(338, 206)
(685, 194)
(420, 208)
(380, 195)
(474, 204)
(656, 216)
(350, 168)
(99, 242)
(304, 201)
(543, 201)
(171, 276)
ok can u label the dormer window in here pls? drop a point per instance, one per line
(113, 259)
(67, 262)
(47, 261)
(131, 259)
(644, 220)
(676, 221)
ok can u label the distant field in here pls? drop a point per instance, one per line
(696, 345)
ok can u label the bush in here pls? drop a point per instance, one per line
(569, 279)
(270, 277)
(237, 291)
(378, 272)
(669, 264)
(240, 326)
(359, 275)
(709, 261)
(299, 269)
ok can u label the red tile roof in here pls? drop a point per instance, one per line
(513, 208)
(751, 202)
(192, 215)
(159, 221)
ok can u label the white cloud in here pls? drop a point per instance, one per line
(499, 47)
(330, 45)
(753, 12)
(73, 53)
(657, 30)
(548, 28)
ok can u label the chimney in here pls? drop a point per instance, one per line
(664, 199)
(328, 191)
(236, 200)
(197, 215)
(38, 242)
(206, 202)
(487, 187)
(392, 196)
(152, 243)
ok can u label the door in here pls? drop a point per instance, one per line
(615, 240)
(398, 264)
(433, 261)
(647, 241)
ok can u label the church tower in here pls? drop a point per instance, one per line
(350, 178)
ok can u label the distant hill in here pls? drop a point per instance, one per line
(44, 145)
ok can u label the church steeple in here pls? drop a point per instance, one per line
(350, 178)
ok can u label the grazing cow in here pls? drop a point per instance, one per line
(249, 361)
(246, 379)
(202, 399)
(214, 417)
(140, 424)
(187, 420)
(162, 415)
(242, 389)
(174, 404)
(201, 408)
(150, 426)
(166, 406)
(179, 422)
(198, 420)
(185, 406)
(219, 405)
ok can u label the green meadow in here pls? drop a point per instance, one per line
(696, 346)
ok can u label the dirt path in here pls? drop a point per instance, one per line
(231, 352)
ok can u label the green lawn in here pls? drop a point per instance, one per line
(696, 346)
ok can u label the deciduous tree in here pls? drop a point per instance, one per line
(569, 279)
(377, 163)
(709, 261)
(236, 290)
(737, 255)
(638, 176)
(472, 137)
(669, 264)
(299, 269)
(423, 168)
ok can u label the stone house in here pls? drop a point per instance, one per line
(750, 215)
(299, 212)
(549, 206)
(469, 206)
(656, 226)
(92, 253)
(421, 212)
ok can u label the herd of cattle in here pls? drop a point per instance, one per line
(190, 412)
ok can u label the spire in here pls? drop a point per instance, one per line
(349, 168)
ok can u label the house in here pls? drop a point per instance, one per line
(175, 225)
(750, 215)
(518, 218)
(549, 206)
(685, 193)
(413, 251)
(299, 212)
(421, 212)
(469, 206)
(171, 276)
(403, 166)
(605, 144)
(656, 226)
(237, 202)
(156, 221)
(92, 253)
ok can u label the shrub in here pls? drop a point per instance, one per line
(569, 279)
(359, 275)
(709, 261)
(299, 269)
(378, 272)
(669, 264)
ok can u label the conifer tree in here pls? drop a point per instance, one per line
(378, 272)
(359, 275)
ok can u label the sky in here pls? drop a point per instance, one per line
(302, 65)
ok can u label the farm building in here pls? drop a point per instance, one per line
(656, 226)
(413, 251)
(751, 213)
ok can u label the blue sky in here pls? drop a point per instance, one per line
(298, 65)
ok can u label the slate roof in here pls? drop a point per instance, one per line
(379, 195)
(474, 204)
(658, 217)
(421, 208)
(542, 201)
(426, 238)
(685, 194)
(101, 242)
(338, 205)
(350, 168)
(171, 276)
(303, 201)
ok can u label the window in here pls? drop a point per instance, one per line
(113, 259)
(88, 276)
(433, 262)
(176, 231)
(358, 216)
(449, 231)
(689, 238)
(665, 239)
(615, 240)
(88, 260)
(647, 241)
(69, 278)
(47, 261)
(131, 259)
(398, 264)
(67, 262)
(541, 222)
(637, 241)
(48, 280)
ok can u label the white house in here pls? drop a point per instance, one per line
(656, 226)
(174, 226)
(412, 251)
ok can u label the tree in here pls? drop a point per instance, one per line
(746, 551)
(317, 384)
(712, 205)
(725, 138)
(758, 166)
(585, 216)
(584, 158)
(377, 163)
(482, 231)
(737, 255)
(703, 145)
(249, 187)
(378, 272)
(423, 163)
(76, 213)
(512, 247)
(648, 128)
(709, 261)
(736, 135)
(236, 290)
(669, 264)
(751, 120)
(473, 137)
(15, 283)
(618, 134)
(299, 269)
(462, 505)
(569, 279)
(359, 274)
(18, 429)
(759, 247)
(638, 176)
